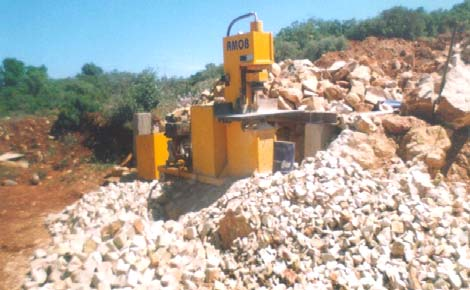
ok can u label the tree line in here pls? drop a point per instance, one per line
(311, 38)
(116, 95)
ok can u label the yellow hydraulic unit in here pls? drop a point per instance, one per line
(235, 137)
(236, 148)
(247, 58)
(213, 148)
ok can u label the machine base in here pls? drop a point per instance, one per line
(182, 172)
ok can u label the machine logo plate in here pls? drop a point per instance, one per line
(238, 44)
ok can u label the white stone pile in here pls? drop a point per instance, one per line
(361, 85)
(344, 87)
(329, 224)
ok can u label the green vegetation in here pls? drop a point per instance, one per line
(312, 38)
(115, 95)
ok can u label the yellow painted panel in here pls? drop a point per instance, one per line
(207, 141)
(160, 142)
(256, 45)
(266, 150)
(152, 151)
(241, 150)
(220, 146)
(250, 150)
(261, 76)
(263, 49)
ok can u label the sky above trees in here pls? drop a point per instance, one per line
(173, 37)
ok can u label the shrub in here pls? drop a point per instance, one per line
(331, 43)
(73, 112)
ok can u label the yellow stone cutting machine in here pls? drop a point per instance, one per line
(233, 138)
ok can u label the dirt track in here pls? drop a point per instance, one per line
(22, 212)
(64, 178)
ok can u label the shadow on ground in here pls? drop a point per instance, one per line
(183, 196)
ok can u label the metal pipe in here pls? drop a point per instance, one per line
(240, 18)
(444, 75)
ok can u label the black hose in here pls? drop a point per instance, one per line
(239, 18)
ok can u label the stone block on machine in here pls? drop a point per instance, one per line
(317, 137)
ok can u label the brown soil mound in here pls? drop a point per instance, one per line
(419, 56)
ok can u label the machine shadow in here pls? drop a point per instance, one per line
(181, 196)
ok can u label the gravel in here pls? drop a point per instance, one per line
(329, 224)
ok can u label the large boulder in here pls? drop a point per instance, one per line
(357, 87)
(302, 63)
(361, 73)
(460, 168)
(399, 125)
(292, 94)
(310, 84)
(453, 107)
(375, 95)
(364, 124)
(429, 144)
(315, 103)
(353, 100)
(420, 101)
(233, 226)
(370, 151)
(284, 104)
(333, 93)
(276, 69)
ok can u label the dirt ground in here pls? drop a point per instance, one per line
(65, 171)
(22, 212)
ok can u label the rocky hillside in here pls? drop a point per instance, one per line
(385, 207)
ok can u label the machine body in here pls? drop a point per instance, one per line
(247, 58)
(228, 139)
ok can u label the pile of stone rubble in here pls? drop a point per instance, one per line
(329, 224)
(361, 85)
(344, 87)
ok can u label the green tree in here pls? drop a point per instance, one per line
(286, 49)
(144, 91)
(36, 79)
(460, 14)
(211, 71)
(91, 69)
(142, 96)
(299, 32)
(330, 43)
(11, 72)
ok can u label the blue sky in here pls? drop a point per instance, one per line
(176, 38)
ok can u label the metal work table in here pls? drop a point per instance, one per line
(276, 116)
